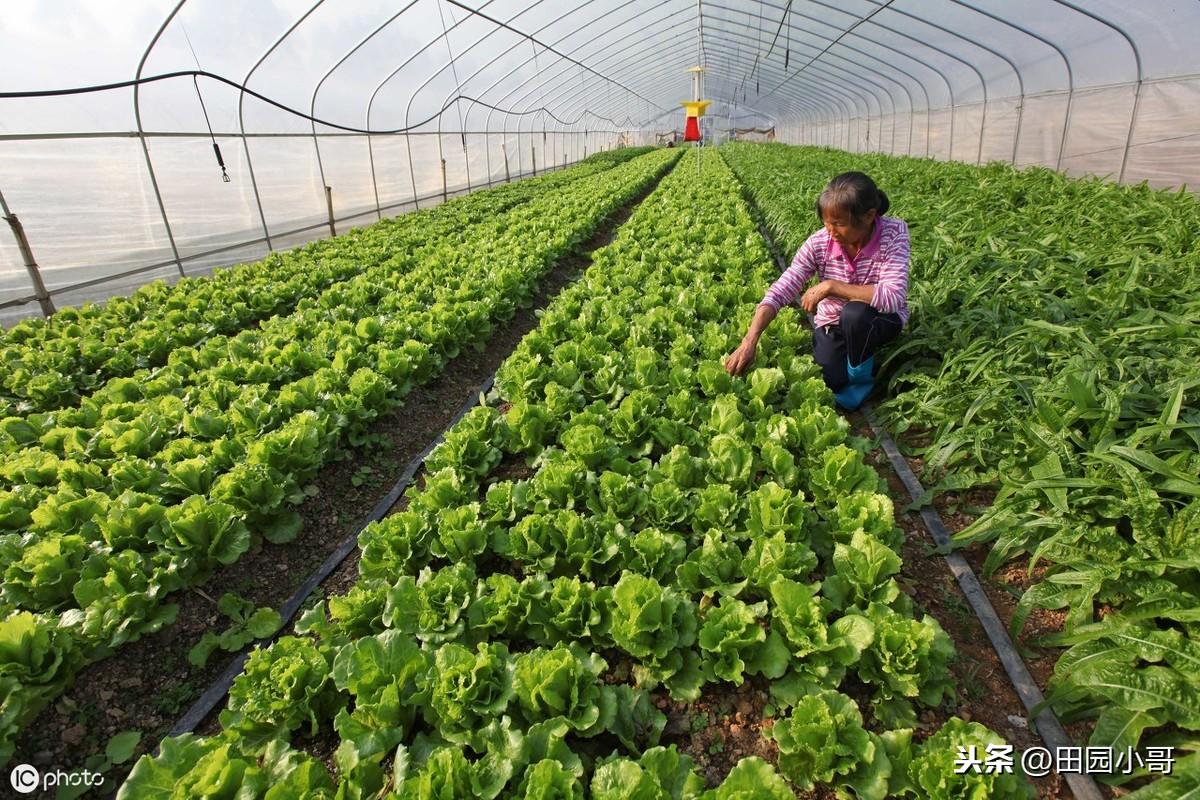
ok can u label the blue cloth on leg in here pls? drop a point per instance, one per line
(862, 381)
(863, 373)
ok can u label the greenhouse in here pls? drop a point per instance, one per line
(612, 399)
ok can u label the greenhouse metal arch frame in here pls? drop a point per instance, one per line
(832, 75)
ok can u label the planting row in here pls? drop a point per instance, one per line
(1052, 356)
(623, 524)
(151, 485)
(52, 363)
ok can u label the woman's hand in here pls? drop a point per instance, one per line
(741, 358)
(815, 295)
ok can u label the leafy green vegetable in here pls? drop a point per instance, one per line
(933, 774)
(249, 623)
(282, 688)
(824, 741)
(559, 683)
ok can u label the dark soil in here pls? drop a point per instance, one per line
(149, 684)
(720, 728)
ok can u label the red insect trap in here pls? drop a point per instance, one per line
(694, 108)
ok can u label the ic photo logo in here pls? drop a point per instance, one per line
(24, 778)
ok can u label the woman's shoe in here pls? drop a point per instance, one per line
(852, 395)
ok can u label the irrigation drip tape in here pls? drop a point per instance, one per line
(1048, 726)
(216, 692)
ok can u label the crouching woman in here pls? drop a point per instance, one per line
(860, 302)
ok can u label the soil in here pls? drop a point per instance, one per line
(720, 728)
(120, 693)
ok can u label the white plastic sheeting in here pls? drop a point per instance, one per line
(118, 187)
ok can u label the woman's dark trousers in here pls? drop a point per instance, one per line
(861, 332)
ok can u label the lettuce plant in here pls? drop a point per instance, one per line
(444, 773)
(841, 471)
(284, 687)
(863, 574)
(467, 689)
(869, 512)
(821, 652)
(559, 482)
(590, 444)
(471, 448)
(526, 428)
(396, 545)
(718, 507)
(619, 496)
(499, 608)
(549, 780)
(932, 773)
(559, 683)
(461, 533)
(653, 553)
(661, 772)
(44, 572)
(433, 605)
(36, 661)
(733, 642)
(715, 567)
(381, 672)
(907, 659)
(567, 609)
(769, 558)
(669, 506)
(823, 741)
(730, 460)
(656, 625)
(751, 779)
(189, 766)
(562, 541)
(774, 509)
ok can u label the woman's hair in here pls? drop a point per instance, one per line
(852, 192)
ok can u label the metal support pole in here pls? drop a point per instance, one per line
(35, 276)
(507, 174)
(329, 208)
(1137, 101)
(533, 157)
(444, 191)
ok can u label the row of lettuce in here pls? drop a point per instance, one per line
(156, 480)
(1052, 355)
(57, 362)
(622, 522)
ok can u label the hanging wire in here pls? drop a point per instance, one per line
(758, 59)
(755, 67)
(462, 128)
(829, 46)
(188, 73)
(196, 82)
(787, 54)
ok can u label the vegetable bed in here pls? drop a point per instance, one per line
(152, 483)
(621, 529)
(53, 363)
(1051, 359)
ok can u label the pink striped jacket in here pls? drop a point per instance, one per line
(883, 262)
